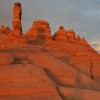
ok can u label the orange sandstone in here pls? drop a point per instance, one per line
(60, 35)
(40, 30)
(17, 12)
(54, 70)
(70, 34)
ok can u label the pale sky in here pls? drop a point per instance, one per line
(83, 16)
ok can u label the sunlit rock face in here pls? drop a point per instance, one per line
(71, 34)
(17, 12)
(5, 30)
(16, 34)
(64, 68)
(60, 35)
(81, 40)
(40, 29)
(78, 38)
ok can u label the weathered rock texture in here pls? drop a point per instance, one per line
(81, 40)
(68, 70)
(39, 30)
(6, 58)
(16, 35)
(70, 34)
(78, 38)
(17, 12)
(5, 30)
(60, 35)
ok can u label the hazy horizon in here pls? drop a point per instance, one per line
(80, 15)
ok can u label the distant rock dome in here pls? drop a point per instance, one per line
(40, 29)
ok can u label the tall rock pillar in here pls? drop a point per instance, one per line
(17, 12)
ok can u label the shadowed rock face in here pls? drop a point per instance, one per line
(17, 12)
(40, 30)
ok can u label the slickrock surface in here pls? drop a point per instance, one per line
(64, 68)
(6, 59)
(16, 34)
(23, 80)
(79, 94)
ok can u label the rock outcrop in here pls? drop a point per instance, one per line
(17, 12)
(71, 35)
(78, 38)
(84, 40)
(5, 30)
(66, 70)
(40, 30)
(60, 35)
(81, 40)
(16, 35)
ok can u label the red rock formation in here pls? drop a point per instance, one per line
(71, 34)
(6, 58)
(78, 38)
(17, 11)
(53, 71)
(79, 94)
(16, 34)
(60, 35)
(39, 30)
(5, 30)
(82, 41)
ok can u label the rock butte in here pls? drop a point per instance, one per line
(38, 66)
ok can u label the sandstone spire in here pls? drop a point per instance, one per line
(70, 34)
(78, 38)
(17, 12)
(60, 35)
